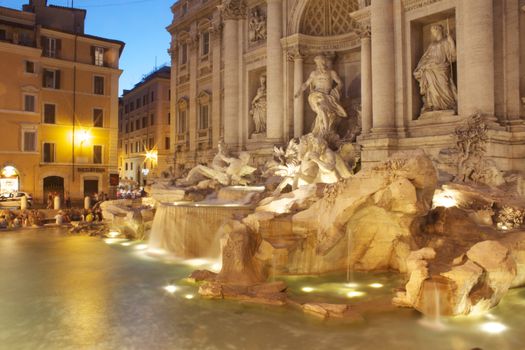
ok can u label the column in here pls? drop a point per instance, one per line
(477, 46)
(193, 52)
(216, 121)
(274, 70)
(383, 66)
(231, 12)
(366, 84)
(298, 105)
(173, 101)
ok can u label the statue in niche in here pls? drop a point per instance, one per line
(258, 110)
(324, 98)
(257, 26)
(224, 169)
(434, 73)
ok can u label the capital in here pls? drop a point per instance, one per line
(233, 9)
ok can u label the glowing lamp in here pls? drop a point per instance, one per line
(83, 136)
(152, 155)
(307, 289)
(9, 171)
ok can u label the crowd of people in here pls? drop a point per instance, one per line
(13, 219)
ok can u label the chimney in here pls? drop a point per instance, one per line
(34, 4)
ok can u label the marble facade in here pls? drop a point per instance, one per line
(220, 49)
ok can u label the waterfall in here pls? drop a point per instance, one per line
(188, 230)
(349, 273)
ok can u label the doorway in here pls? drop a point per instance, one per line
(53, 185)
(90, 187)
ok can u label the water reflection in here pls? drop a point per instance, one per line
(61, 292)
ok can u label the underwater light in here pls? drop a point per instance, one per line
(446, 198)
(170, 288)
(355, 294)
(216, 267)
(113, 234)
(376, 285)
(493, 327)
(351, 285)
(126, 244)
(112, 240)
(189, 296)
(307, 289)
(197, 262)
(141, 246)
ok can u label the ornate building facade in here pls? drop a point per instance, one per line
(412, 72)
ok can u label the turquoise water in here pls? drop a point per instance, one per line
(63, 292)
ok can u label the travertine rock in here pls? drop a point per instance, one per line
(417, 271)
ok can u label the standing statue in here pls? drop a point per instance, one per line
(258, 110)
(434, 73)
(324, 97)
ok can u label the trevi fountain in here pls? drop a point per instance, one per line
(410, 197)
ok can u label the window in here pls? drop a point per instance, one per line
(49, 152)
(144, 100)
(137, 124)
(184, 54)
(169, 118)
(51, 79)
(97, 154)
(151, 142)
(51, 47)
(152, 96)
(98, 56)
(138, 102)
(131, 126)
(126, 165)
(185, 8)
(126, 108)
(132, 106)
(126, 148)
(131, 165)
(203, 117)
(3, 34)
(29, 103)
(181, 122)
(98, 85)
(49, 113)
(205, 43)
(152, 122)
(144, 122)
(98, 118)
(30, 67)
(167, 143)
(29, 141)
(127, 127)
(137, 147)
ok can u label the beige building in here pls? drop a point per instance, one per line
(144, 128)
(58, 102)
(220, 49)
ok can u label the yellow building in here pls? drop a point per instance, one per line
(58, 103)
(144, 128)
